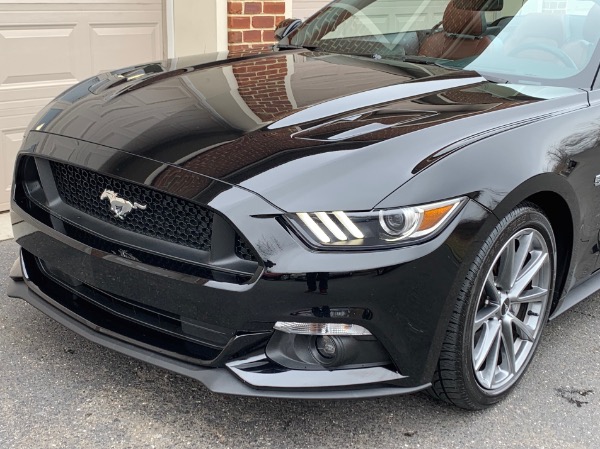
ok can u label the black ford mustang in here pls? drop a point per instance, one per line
(381, 205)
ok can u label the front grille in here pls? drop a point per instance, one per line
(166, 217)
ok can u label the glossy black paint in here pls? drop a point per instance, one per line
(193, 129)
(197, 128)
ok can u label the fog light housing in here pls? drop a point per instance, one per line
(321, 351)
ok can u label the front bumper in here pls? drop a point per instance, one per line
(226, 380)
(400, 305)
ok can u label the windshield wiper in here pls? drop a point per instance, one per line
(297, 47)
(403, 58)
(493, 78)
(427, 61)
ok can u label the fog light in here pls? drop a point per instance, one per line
(326, 347)
(331, 351)
(320, 328)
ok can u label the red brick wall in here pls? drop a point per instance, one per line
(251, 23)
(261, 84)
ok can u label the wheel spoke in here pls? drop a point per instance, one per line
(484, 314)
(506, 267)
(521, 255)
(491, 360)
(530, 270)
(487, 340)
(534, 294)
(491, 290)
(524, 331)
(509, 344)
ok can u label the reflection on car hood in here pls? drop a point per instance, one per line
(297, 128)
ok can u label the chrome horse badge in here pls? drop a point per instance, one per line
(119, 206)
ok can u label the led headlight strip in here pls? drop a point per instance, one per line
(351, 227)
(326, 221)
(314, 227)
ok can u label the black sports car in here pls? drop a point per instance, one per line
(382, 204)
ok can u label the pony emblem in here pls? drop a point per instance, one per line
(119, 206)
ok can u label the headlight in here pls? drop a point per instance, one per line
(377, 228)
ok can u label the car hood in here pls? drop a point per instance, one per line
(306, 131)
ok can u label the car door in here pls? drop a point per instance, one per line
(594, 99)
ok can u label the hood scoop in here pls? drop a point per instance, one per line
(361, 127)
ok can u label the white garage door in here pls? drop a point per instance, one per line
(48, 45)
(303, 9)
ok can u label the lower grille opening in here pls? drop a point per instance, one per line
(152, 259)
(138, 324)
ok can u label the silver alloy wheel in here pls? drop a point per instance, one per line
(512, 304)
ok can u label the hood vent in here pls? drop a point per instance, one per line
(120, 77)
(362, 127)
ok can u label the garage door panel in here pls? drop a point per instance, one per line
(37, 54)
(124, 44)
(38, 91)
(46, 46)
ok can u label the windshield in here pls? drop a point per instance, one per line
(517, 40)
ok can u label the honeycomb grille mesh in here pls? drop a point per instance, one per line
(166, 217)
(242, 249)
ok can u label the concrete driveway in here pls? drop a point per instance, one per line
(59, 390)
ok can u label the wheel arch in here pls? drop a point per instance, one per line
(556, 198)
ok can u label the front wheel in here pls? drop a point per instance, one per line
(500, 313)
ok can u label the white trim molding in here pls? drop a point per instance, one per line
(221, 18)
(169, 29)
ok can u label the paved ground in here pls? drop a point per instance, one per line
(5, 226)
(59, 390)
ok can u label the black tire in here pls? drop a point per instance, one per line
(461, 378)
